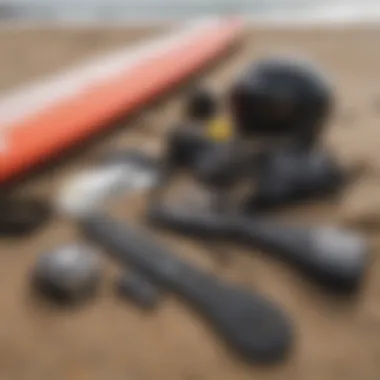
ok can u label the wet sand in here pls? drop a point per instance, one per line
(111, 339)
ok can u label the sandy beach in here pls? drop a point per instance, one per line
(111, 339)
(29, 53)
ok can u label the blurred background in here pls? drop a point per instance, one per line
(96, 10)
(38, 37)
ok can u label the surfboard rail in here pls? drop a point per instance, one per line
(98, 97)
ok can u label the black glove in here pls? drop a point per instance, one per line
(218, 166)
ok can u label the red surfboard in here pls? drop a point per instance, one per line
(47, 129)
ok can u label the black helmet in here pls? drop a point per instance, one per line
(281, 97)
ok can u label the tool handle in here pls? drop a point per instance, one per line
(335, 258)
(250, 323)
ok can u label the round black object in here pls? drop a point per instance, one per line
(22, 216)
(68, 274)
(281, 97)
(185, 144)
(139, 289)
(202, 104)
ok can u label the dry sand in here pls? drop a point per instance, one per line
(108, 339)
(27, 54)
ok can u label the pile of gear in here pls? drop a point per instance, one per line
(281, 105)
(265, 136)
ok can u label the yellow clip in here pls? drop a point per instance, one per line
(219, 130)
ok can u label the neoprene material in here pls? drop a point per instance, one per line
(254, 326)
(333, 257)
(185, 144)
(282, 176)
(292, 175)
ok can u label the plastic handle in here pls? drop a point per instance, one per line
(250, 323)
(334, 257)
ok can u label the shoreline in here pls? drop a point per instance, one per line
(166, 11)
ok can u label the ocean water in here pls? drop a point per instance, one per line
(113, 10)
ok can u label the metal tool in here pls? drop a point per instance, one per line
(69, 273)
